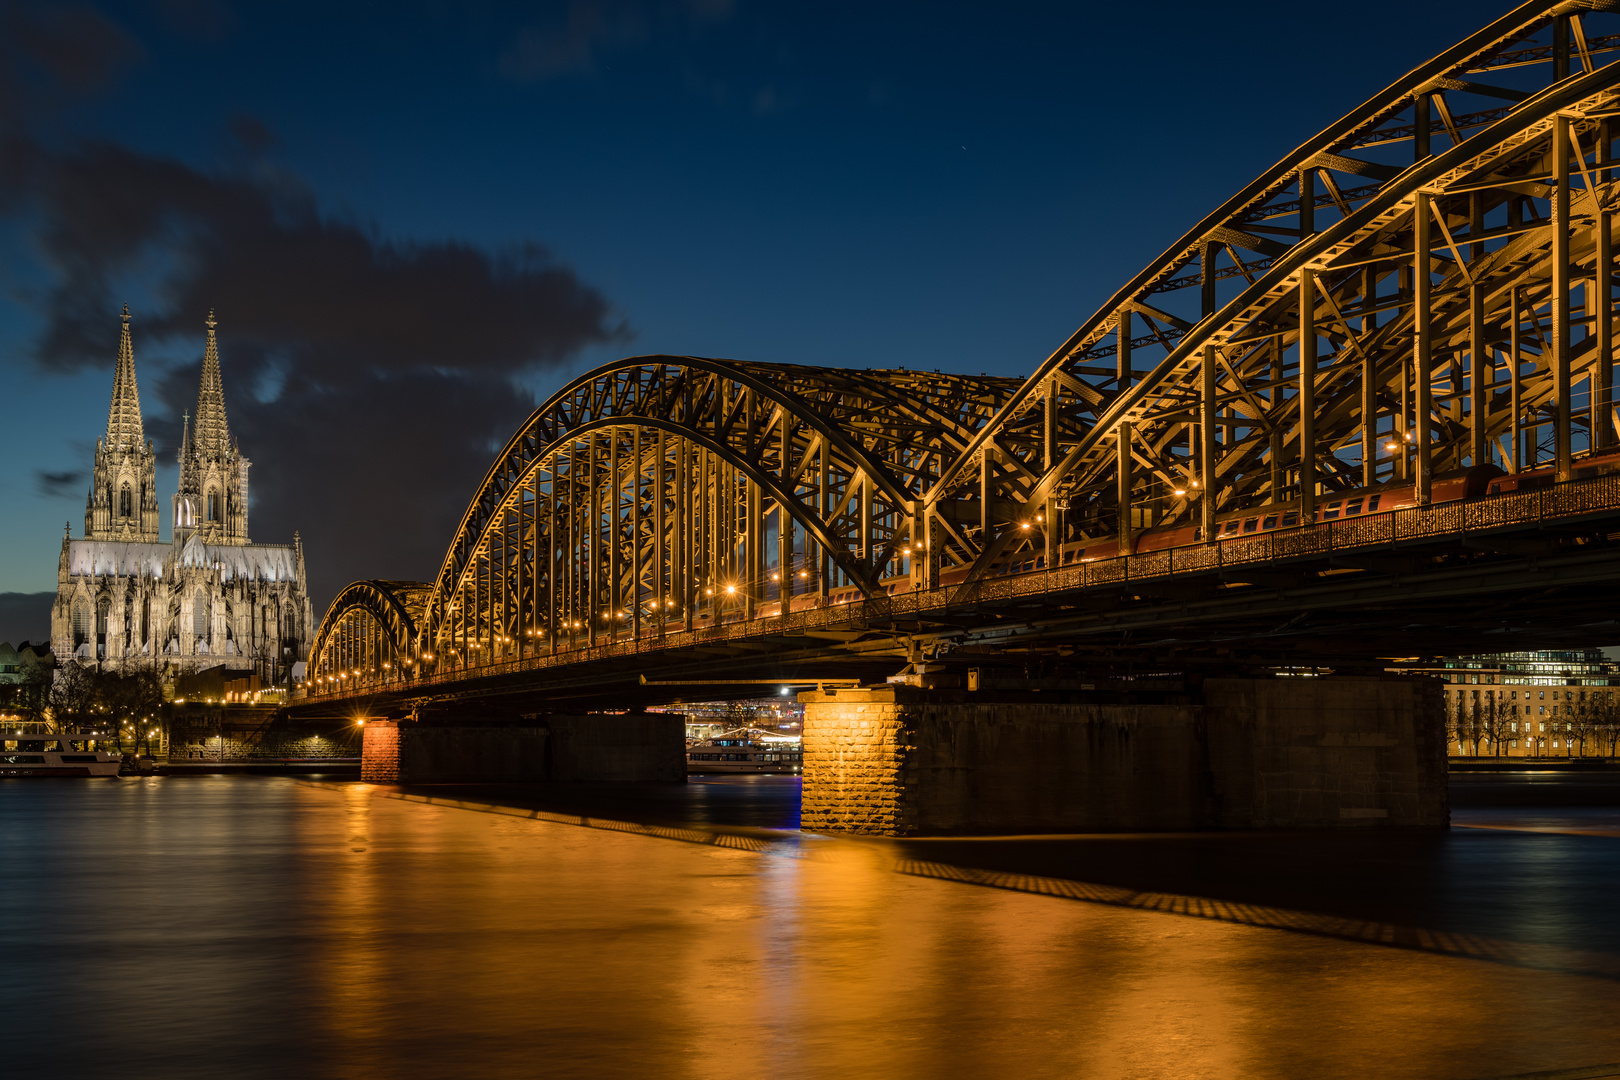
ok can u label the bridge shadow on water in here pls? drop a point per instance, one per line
(1526, 876)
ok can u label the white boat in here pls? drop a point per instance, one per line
(54, 755)
(746, 750)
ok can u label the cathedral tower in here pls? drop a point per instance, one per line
(206, 601)
(212, 501)
(122, 504)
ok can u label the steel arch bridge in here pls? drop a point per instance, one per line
(370, 631)
(1425, 286)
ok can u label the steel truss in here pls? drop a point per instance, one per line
(369, 634)
(666, 492)
(1423, 286)
(1392, 300)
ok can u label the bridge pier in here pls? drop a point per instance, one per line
(439, 748)
(1234, 754)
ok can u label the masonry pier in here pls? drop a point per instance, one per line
(1234, 753)
(439, 748)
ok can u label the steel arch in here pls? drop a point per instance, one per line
(1154, 439)
(368, 624)
(840, 456)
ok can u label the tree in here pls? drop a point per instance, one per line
(1607, 723)
(128, 704)
(1584, 722)
(30, 697)
(1497, 729)
(73, 694)
(1457, 722)
(131, 702)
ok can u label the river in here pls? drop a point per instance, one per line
(249, 927)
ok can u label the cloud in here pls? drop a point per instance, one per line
(201, 20)
(56, 50)
(368, 378)
(57, 484)
(254, 135)
(572, 41)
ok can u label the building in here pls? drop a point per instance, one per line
(16, 664)
(126, 601)
(1530, 704)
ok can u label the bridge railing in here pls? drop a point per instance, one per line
(1384, 529)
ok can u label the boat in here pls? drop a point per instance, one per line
(746, 750)
(55, 755)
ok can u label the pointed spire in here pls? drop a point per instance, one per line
(212, 434)
(124, 414)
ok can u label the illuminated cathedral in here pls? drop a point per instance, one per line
(126, 601)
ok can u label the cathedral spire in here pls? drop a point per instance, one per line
(122, 502)
(211, 435)
(124, 414)
(212, 498)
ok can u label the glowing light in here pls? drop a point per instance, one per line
(731, 589)
(1180, 491)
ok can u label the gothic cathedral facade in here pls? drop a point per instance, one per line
(126, 601)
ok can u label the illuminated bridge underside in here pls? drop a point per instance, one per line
(1424, 286)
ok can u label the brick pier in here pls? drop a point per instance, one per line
(647, 747)
(1240, 753)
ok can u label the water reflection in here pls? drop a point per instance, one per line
(263, 928)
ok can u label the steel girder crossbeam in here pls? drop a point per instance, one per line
(1434, 237)
(369, 633)
(683, 488)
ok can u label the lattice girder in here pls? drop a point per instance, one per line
(813, 470)
(1487, 181)
(369, 633)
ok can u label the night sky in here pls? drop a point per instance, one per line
(417, 220)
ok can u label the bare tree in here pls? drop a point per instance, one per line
(1496, 724)
(1607, 723)
(73, 694)
(132, 702)
(1456, 723)
(1470, 726)
(30, 697)
(1583, 722)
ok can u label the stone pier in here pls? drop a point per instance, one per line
(648, 747)
(1236, 754)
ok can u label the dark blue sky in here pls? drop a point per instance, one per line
(416, 218)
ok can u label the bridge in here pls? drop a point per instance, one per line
(1362, 411)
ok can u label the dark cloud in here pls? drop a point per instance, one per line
(367, 377)
(26, 617)
(254, 135)
(72, 46)
(56, 484)
(203, 20)
(571, 39)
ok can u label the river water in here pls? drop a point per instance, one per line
(252, 927)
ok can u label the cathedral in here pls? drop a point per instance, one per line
(126, 601)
